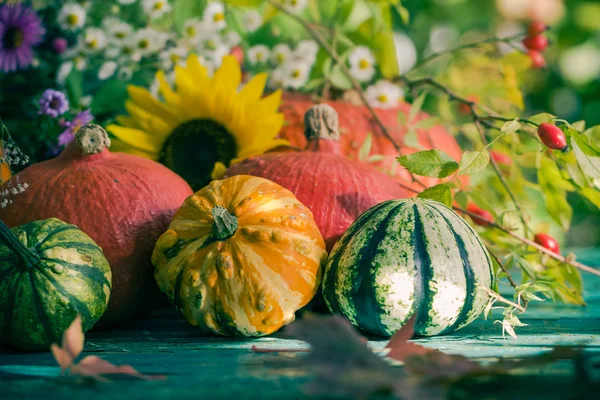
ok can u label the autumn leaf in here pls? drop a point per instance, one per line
(91, 366)
(399, 346)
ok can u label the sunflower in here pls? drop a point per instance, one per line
(200, 124)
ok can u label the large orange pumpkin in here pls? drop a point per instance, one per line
(356, 123)
(241, 256)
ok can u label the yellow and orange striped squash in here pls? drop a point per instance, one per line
(240, 257)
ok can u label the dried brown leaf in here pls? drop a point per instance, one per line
(401, 348)
(95, 367)
(73, 338)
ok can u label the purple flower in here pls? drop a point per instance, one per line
(53, 103)
(60, 45)
(84, 117)
(20, 30)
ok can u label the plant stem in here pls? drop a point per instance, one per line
(479, 121)
(531, 243)
(28, 258)
(355, 84)
(502, 299)
(508, 275)
(496, 39)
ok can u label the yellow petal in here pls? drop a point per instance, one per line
(149, 123)
(229, 75)
(165, 89)
(253, 90)
(117, 145)
(218, 171)
(269, 104)
(144, 99)
(263, 148)
(197, 71)
(136, 138)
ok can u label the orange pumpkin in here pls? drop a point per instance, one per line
(240, 257)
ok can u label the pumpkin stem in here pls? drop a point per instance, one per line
(91, 139)
(225, 225)
(321, 122)
(28, 258)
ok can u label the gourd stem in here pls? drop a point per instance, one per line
(225, 224)
(28, 257)
(91, 139)
(321, 122)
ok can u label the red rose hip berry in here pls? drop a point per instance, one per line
(238, 53)
(553, 137)
(547, 242)
(537, 59)
(486, 216)
(536, 28)
(537, 42)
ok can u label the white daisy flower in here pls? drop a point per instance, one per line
(258, 54)
(306, 50)
(125, 73)
(117, 30)
(71, 17)
(63, 72)
(107, 70)
(362, 63)
(173, 56)
(193, 30)
(210, 42)
(296, 74)
(126, 2)
(384, 94)
(277, 78)
(148, 41)
(280, 54)
(214, 16)
(93, 39)
(80, 62)
(295, 6)
(216, 55)
(252, 21)
(232, 39)
(85, 101)
(156, 8)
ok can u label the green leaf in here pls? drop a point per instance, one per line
(515, 261)
(403, 12)
(431, 163)
(416, 107)
(339, 79)
(511, 126)
(411, 139)
(554, 188)
(592, 195)
(462, 198)
(186, 9)
(472, 162)
(365, 150)
(579, 125)
(385, 54)
(542, 118)
(441, 193)
(74, 86)
(586, 153)
(110, 98)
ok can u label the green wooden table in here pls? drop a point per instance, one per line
(221, 368)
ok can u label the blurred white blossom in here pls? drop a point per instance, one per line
(174, 56)
(258, 54)
(362, 63)
(406, 52)
(148, 41)
(156, 8)
(214, 16)
(252, 20)
(384, 94)
(93, 39)
(295, 6)
(107, 70)
(117, 30)
(296, 74)
(280, 54)
(71, 17)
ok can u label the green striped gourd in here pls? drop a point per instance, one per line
(50, 271)
(408, 257)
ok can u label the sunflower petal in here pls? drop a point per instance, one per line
(165, 89)
(268, 104)
(136, 138)
(229, 75)
(117, 145)
(262, 148)
(144, 99)
(253, 90)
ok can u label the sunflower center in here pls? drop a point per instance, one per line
(13, 38)
(194, 147)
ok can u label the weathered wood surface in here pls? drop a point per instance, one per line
(219, 368)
